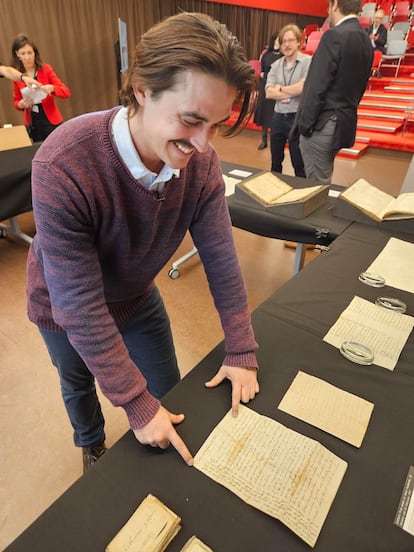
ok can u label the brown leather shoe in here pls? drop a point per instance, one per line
(91, 455)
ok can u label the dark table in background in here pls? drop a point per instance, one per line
(289, 327)
(15, 186)
(319, 228)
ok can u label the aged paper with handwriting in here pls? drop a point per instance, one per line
(279, 471)
(395, 263)
(383, 331)
(150, 528)
(327, 407)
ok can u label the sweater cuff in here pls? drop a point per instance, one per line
(141, 409)
(241, 360)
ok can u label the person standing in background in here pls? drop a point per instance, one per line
(338, 75)
(265, 107)
(284, 85)
(377, 32)
(40, 118)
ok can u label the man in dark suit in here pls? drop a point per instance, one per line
(327, 115)
(377, 32)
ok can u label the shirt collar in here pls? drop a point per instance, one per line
(131, 158)
(351, 16)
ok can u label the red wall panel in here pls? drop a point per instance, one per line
(305, 7)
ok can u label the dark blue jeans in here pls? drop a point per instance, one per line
(279, 133)
(148, 339)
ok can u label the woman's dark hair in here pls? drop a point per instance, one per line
(271, 43)
(186, 42)
(20, 41)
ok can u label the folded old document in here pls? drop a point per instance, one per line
(377, 204)
(150, 529)
(279, 471)
(271, 190)
(395, 264)
(327, 407)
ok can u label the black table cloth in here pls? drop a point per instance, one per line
(289, 327)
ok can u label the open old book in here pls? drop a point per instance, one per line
(377, 204)
(271, 190)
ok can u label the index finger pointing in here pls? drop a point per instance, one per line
(235, 400)
(181, 448)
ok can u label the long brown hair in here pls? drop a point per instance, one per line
(191, 41)
(20, 41)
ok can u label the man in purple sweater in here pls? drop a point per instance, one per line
(114, 193)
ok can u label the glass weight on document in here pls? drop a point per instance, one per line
(356, 352)
(391, 303)
(371, 279)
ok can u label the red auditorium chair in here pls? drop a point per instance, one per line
(313, 42)
(255, 63)
(376, 63)
(401, 8)
(309, 29)
(387, 6)
(365, 21)
(410, 40)
(400, 18)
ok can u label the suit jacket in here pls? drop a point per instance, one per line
(45, 75)
(336, 81)
(382, 37)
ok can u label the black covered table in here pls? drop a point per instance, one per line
(15, 184)
(319, 228)
(289, 327)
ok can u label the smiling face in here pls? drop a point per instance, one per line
(168, 129)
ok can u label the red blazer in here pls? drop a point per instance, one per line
(46, 75)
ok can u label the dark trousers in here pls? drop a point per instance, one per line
(279, 133)
(148, 338)
(40, 127)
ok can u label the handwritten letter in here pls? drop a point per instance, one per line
(286, 475)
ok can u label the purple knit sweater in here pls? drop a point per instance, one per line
(102, 239)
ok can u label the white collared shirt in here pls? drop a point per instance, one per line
(350, 16)
(129, 155)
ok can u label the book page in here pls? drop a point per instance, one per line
(367, 198)
(327, 407)
(150, 528)
(195, 545)
(279, 471)
(266, 187)
(395, 263)
(383, 331)
(297, 194)
(401, 208)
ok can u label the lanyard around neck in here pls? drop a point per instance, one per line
(291, 74)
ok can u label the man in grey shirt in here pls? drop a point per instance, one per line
(285, 84)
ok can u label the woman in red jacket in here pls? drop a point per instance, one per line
(41, 115)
